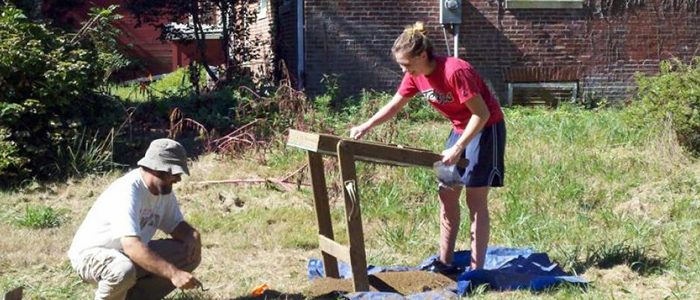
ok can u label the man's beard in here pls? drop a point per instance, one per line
(164, 190)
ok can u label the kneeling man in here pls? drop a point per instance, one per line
(113, 246)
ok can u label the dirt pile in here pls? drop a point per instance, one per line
(405, 283)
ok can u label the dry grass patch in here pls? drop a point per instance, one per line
(625, 283)
(228, 270)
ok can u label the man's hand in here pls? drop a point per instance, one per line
(184, 280)
(359, 131)
(452, 155)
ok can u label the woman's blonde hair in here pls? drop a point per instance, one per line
(413, 40)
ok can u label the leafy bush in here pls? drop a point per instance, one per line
(47, 84)
(673, 95)
(8, 150)
(102, 36)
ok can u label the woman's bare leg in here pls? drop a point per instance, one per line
(477, 201)
(449, 221)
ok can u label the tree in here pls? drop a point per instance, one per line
(193, 19)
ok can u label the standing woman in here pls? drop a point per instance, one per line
(457, 91)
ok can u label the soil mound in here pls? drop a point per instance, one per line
(404, 283)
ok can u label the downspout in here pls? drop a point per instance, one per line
(300, 44)
(455, 29)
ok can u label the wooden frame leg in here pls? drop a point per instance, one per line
(358, 260)
(323, 215)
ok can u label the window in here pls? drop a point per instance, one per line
(211, 25)
(542, 93)
(262, 9)
(543, 4)
(536, 85)
(211, 16)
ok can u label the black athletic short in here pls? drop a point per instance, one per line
(485, 154)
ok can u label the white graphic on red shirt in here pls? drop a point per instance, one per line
(435, 97)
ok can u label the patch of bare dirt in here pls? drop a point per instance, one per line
(617, 275)
(405, 283)
(622, 282)
(634, 207)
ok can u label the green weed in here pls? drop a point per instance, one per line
(40, 217)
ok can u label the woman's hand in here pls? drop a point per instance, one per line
(359, 131)
(452, 155)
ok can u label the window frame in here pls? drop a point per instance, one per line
(543, 4)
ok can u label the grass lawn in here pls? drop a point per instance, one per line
(607, 202)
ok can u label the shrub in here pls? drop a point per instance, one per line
(8, 150)
(47, 92)
(672, 95)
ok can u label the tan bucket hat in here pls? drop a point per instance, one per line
(166, 155)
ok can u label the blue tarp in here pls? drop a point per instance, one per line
(504, 269)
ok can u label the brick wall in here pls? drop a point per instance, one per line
(285, 40)
(261, 32)
(607, 42)
(353, 38)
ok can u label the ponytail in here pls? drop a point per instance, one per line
(413, 40)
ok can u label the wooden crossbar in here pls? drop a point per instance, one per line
(364, 151)
(334, 248)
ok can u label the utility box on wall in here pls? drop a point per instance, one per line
(450, 11)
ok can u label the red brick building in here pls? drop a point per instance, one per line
(150, 55)
(526, 49)
(591, 48)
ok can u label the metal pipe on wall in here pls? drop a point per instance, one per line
(455, 28)
(444, 34)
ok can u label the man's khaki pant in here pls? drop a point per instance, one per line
(118, 278)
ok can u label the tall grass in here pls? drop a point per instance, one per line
(85, 154)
